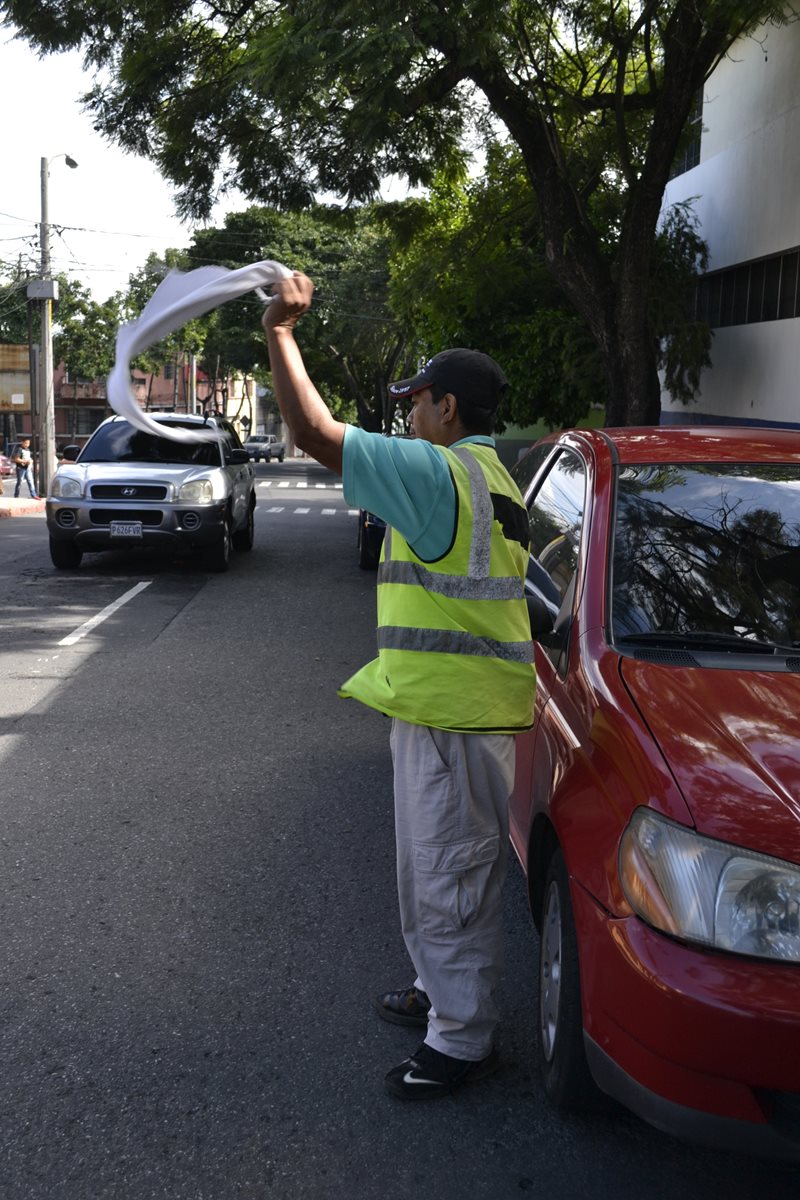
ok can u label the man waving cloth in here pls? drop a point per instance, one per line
(454, 671)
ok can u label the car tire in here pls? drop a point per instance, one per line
(65, 555)
(564, 1070)
(280, 458)
(218, 557)
(243, 538)
(367, 558)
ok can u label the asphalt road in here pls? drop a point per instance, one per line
(197, 903)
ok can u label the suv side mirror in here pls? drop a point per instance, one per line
(70, 453)
(239, 457)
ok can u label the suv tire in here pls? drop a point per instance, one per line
(218, 557)
(243, 538)
(65, 555)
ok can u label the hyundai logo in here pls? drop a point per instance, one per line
(129, 491)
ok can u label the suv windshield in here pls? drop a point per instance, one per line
(707, 550)
(120, 442)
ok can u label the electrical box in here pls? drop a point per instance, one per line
(43, 289)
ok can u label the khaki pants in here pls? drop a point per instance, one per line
(451, 821)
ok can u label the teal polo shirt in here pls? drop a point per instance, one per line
(406, 482)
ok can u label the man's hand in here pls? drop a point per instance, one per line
(292, 297)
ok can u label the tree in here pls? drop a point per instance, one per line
(351, 341)
(285, 100)
(470, 271)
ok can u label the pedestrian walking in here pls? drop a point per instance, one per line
(454, 672)
(23, 460)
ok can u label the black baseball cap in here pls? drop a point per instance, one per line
(474, 379)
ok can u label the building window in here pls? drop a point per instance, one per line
(766, 290)
(86, 420)
(689, 154)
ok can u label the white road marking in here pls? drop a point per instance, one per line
(285, 484)
(278, 509)
(104, 613)
(329, 512)
(302, 510)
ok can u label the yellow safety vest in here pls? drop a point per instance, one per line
(454, 639)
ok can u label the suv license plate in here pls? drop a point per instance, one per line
(126, 529)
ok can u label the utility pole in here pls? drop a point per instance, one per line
(45, 290)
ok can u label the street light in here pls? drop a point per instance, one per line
(45, 290)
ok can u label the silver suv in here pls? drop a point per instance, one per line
(132, 488)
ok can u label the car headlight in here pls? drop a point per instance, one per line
(65, 487)
(710, 892)
(197, 491)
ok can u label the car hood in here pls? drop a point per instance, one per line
(135, 472)
(731, 739)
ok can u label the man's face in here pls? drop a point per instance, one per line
(25, 443)
(424, 420)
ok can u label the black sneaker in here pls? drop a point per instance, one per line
(429, 1074)
(407, 1007)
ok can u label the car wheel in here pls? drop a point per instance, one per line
(562, 1058)
(243, 538)
(280, 458)
(65, 555)
(367, 558)
(218, 556)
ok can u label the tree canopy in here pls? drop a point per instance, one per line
(288, 100)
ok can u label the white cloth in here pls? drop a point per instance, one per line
(180, 297)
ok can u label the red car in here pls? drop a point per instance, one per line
(6, 466)
(656, 809)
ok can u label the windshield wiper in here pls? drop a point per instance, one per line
(707, 640)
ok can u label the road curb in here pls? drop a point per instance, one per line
(9, 507)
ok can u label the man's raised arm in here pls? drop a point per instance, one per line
(313, 427)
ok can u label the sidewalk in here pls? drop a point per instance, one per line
(23, 507)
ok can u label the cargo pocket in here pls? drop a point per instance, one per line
(451, 881)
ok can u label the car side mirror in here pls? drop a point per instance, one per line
(239, 457)
(541, 617)
(70, 453)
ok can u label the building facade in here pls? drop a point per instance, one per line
(744, 189)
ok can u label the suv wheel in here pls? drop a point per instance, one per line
(65, 555)
(280, 458)
(218, 556)
(243, 538)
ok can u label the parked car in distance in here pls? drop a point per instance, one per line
(656, 808)
(6, 466)
(266, 446)
(371, 532)
(131, 488)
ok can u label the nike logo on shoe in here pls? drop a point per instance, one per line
(409, 1078)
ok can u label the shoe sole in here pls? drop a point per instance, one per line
(488, 1067)
(397, 1018)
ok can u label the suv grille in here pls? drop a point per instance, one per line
(129, 491)
(104, 516)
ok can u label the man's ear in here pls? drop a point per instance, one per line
(448, 407)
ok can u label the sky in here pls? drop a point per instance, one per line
(108, 213)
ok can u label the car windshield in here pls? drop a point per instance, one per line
(120, 442)
(707, 554)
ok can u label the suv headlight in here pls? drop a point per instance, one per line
(197, 491)
(710, 892)
(64, 487)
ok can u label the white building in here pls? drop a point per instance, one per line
(746, 187)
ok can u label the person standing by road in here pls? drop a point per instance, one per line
(454, 672)
(23, 460)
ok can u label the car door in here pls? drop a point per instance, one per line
(556, 504)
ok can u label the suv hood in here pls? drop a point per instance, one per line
(135, 472)
(731, 739)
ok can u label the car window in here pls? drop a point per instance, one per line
(555, 518)
(120, 442)
(231, 435)
(526, 467)
(707, 549)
